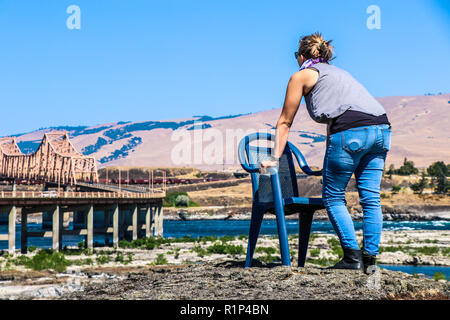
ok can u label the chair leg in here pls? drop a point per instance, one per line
(304, 226)
(255, 226)
(282, 237)
(281, 222)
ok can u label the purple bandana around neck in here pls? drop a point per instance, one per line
(308, 63)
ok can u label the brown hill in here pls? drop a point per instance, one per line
(420, 132)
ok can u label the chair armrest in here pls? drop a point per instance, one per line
(249, 169)
(241, 151)
(302, 162)
(310, 172)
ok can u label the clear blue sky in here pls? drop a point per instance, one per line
(149, 60)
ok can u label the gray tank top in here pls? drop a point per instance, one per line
(335, 92)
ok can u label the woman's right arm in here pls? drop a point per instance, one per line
(294, 93)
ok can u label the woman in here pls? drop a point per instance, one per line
(358, 138)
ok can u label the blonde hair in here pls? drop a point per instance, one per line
(315, 46)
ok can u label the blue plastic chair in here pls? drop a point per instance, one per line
(277, 192)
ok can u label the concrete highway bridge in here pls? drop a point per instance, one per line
(125, 212)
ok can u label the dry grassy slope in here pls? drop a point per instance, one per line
(242, 194)
(420, 132)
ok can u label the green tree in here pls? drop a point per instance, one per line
(438, 168)
(391, 171)
(443, 185)
(418, 187)
(407, 168)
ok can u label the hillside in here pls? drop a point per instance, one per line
(420, 133)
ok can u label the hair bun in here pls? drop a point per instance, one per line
(314, 46)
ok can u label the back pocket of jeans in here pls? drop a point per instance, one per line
(354, 140)
(386, 133)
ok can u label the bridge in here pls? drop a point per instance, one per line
(55, 161)
(129, 211)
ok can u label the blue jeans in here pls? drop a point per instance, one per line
(361, 151)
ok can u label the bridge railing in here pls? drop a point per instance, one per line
(74, 194)
(122, 188)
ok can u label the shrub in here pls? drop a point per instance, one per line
(314, 252)
(101, 259)
(222, 248)
(48, 259)
(427, 250)
(267, 250)
(129, 258)
(446, 251)
(171, 199)
(81, 262)
(124, 244)
(438, 276)
(177, 253)
(391, 249)
(324, 262)
(200, 251)
(119, 257)
(160, 259)
(21, 260)
(268, 258)
(395, 189)
(205, 239)
(182, 201)
(335, 246)
(225, 239)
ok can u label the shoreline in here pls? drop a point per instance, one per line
(412, 213)
(169, 270)
(244, 213)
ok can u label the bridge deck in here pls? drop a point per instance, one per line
(23, 198)
(84, 203)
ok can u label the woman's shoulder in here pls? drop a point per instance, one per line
(305, 79)
(304, 74)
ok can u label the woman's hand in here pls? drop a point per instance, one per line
(266, 164)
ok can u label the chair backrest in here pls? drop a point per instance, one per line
(261, 183)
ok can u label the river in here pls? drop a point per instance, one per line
(197, 228)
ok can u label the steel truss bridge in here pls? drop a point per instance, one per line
(55, 161)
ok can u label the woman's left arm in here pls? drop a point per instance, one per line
(294, 93)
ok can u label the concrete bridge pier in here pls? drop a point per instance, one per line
(23, 231)
(57, 228)
(130, 219)
(12, 230)
(11, 212)
(148, 220)
(158, 231)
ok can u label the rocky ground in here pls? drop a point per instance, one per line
(229, 280)
(212, 268)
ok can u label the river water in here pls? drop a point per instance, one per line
(197, 228)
